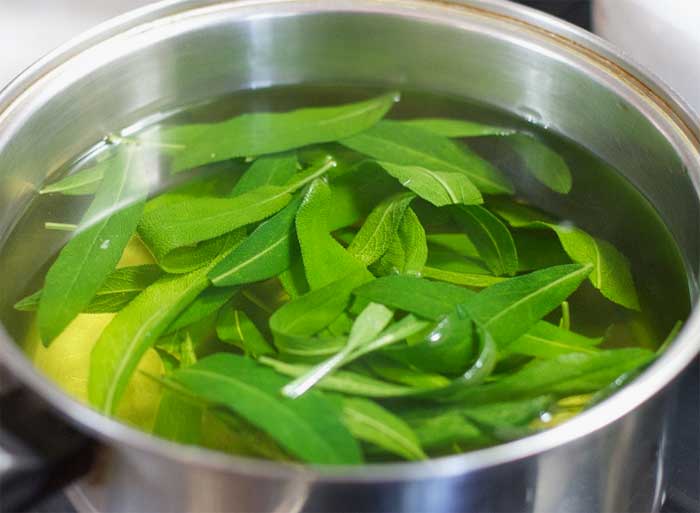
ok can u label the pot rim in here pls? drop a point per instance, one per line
(670, 110)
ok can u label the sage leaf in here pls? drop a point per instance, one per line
(85, 181)
(172, 226)
(547, 166)
(205, 304)
(398, 372)
(87, 259)
(438, 187)
(371, 423)
(509, 309)
(264, 254)
(345, 382)
(308, 427)
(543, 163)
(408, 249)
(475, 280)
(567, 374)
(454, 128)
(371, 321)
(379, 229)
(120, 287)
(306, 315)
(545, 340)
(354, 193)
(241, 135)
(492, 238)
(611, 269)
(235, 327)
(135, 329)
(178, 420)
(425, 298)
(275, 169)
(398, 143)
(325, 260)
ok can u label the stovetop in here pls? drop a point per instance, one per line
(684, 442)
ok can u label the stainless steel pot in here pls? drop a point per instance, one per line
(609, 459)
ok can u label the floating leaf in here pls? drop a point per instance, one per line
(275, 169)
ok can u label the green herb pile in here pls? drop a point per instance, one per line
(335, 287)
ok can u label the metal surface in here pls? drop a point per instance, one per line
(177, 53)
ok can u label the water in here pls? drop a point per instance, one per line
(601, 202)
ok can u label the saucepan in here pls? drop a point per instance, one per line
(610, 458)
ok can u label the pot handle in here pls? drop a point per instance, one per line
(39, 452)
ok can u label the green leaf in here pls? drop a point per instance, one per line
(345, 382)
(308, 427)
(509, 309)
(325, 260)
(354, 193)
(406, 374)
(85, 181)
(379, 229)
(371, 321)
(408, 249)
(118, 289)
(422, 297)
(490, 236)
(88, 258)
(399, 143)
(447, 349)
(175, 225)
(306, 315)
(538, 249)
(234, 326)
(205, 304)
(121, 286)
(275, 169)
(241, 136)
(564, 375)
(544, 163)
(438, 187)
(454, 128)
(178, 420)
(545, 340)
(611, 270)
(134, 330)
(371, 423)
(467, 279)
(264, 254)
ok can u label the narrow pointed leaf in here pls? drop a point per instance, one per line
(408, 250)
(438, 187)
(545, 340)
(275, 169)
(509, 309)
(458, 128)
(308, 427)
(88, 258)
(492, 238)
(398, 143)
(241, 136)
(379, 229)
(546, 165)
(325, 260)
(235, 327)
(371, 423)
(264, 254)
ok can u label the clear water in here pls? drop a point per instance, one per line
(601, 202)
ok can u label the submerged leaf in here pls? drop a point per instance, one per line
(371, 423)
(399, 143)
(241, 136)
(88, 258)
(308, 427)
